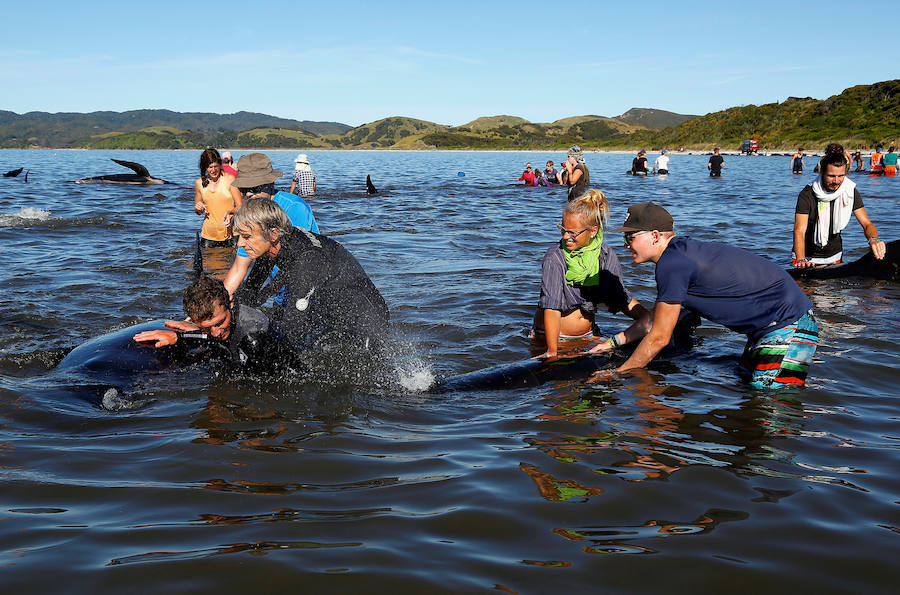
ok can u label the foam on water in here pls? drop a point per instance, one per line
(24, 216)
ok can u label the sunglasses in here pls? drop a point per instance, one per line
(629, 237)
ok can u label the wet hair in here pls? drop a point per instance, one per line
(592, 208)
(834, 148)
(207, 158)
(832, 158)
(265, 214)
(201, 297)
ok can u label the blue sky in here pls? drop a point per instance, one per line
(448, 62)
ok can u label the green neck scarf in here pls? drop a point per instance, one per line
(583, 265)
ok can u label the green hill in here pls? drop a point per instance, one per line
(388, 132)
(861, 115)
(42, 129)
(491, 122)
(652, 118)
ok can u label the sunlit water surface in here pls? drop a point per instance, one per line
(678, 480)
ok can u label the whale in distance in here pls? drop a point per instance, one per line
(140, 176)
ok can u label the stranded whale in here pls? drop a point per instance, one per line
(140, 176)
(867, 266)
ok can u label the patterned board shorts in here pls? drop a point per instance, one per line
(781, 359)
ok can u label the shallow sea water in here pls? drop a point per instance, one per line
(678, 479)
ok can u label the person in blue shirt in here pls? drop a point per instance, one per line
(726, 285)
(256, 178)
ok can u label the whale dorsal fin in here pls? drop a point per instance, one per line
(137, 167)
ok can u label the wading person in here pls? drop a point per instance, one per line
(715, 164)
(577, 176)
(216, 199)
(823, 210)
(729, 286)
(580, 274)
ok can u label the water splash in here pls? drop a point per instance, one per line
(25, 216)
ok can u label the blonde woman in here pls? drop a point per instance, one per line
(578, 275)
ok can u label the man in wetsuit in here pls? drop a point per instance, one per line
(328, 298)
(715, 164)
(729, 286)
(256, 178)
(239, 334)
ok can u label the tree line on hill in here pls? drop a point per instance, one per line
(863, 115)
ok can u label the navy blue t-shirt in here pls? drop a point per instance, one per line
(729, 286)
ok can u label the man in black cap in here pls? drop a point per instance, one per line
(729, 286)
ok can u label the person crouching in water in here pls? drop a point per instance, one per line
(578, 275)
(241, 335)
(328, 299)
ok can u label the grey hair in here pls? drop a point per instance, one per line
(263, 213)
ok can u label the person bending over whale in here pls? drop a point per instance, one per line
(328, 298)
(237, 333)
(580, 273)
(256, 178)
(729, 286)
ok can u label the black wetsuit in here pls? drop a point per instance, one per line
(253, 341)
(715, 166)
(328, 298)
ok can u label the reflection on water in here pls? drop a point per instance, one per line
(202, 480)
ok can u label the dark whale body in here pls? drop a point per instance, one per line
(867, 266)
(114, 359)
(140, 176)
(13, 173)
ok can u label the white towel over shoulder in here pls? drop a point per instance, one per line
(843, 199)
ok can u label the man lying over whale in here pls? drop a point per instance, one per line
(240, 334)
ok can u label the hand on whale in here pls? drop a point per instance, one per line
(869, 266)
(140, 176)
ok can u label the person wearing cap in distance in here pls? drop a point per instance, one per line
(304, 178)
(577, 176)
(329, 299)
(729, 286)
(228, 164)
(661, 165)
(823, 210)
(527, 175)
(639, 164)
(256, 178)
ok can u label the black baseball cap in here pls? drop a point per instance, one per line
(647, 216)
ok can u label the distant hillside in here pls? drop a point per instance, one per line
(387, 132)
(44, 129)
(491, 122)
(861, 115)
(652, 118)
